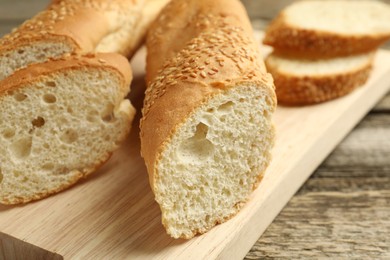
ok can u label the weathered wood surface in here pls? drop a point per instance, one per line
(343, 209)
(13, 249)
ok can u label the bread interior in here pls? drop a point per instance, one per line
(58, 129)
(31, 53)
(214, 160)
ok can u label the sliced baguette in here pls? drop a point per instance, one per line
(330, 28)
(59, 121)
(307, 81)
(206, 130)
(70, 26)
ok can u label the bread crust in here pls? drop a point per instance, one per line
(197, 49)
(32, 73)
(81, 24)
(296, 90)
(290, 40)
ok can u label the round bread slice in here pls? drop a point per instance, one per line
(59, 121)
(330, 28)
(206, 130)
(308, 81)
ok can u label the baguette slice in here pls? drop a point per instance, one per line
(59, 121)
(206, 131)
(70, 26)
(330, 28)
(307, 81)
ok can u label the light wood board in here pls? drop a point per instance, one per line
(112, 215)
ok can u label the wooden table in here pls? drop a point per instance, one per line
(343, 210)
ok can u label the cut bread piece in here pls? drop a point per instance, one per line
(330, 28)
(307, 81)
(70, 26)
(206, 130)
(60, 121)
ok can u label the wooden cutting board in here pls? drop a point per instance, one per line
(112, 215)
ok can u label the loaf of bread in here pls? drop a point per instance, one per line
(82, 26)
(206, 130)
(59, 121)
(302, 81)
(330, 28)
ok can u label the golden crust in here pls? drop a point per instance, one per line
(293, 90)
(289, 40)
(81, 24)
(196, 49)
(32, 73)
(218, 55)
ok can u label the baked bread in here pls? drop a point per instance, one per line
(206, 130)
(308, 81)
(70, 26)
(330, 28)
(59, 121)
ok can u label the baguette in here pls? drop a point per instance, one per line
(206, 131)
(308, 81)
(59, 121)
(329, 28)
(72, 26)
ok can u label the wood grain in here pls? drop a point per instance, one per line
(343, 209)
(14, 249)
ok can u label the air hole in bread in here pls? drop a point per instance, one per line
(62, 170)
(48, 166)
(265, 113)
(92, 116)
(46, 146)
(51, 84)
(20, 96)
(108, 113)
(69, 136)
(8, 133)
(20, 51)
(69, 110)
(21, 148)
(226, 192)
(17, 174)
(226, 107)
(38, 122)
(197, 148)
(49, 98)
(1, 176)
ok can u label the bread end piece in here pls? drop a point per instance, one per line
(61, 120)
(329, 28)
(206, 130)
(305, 81)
